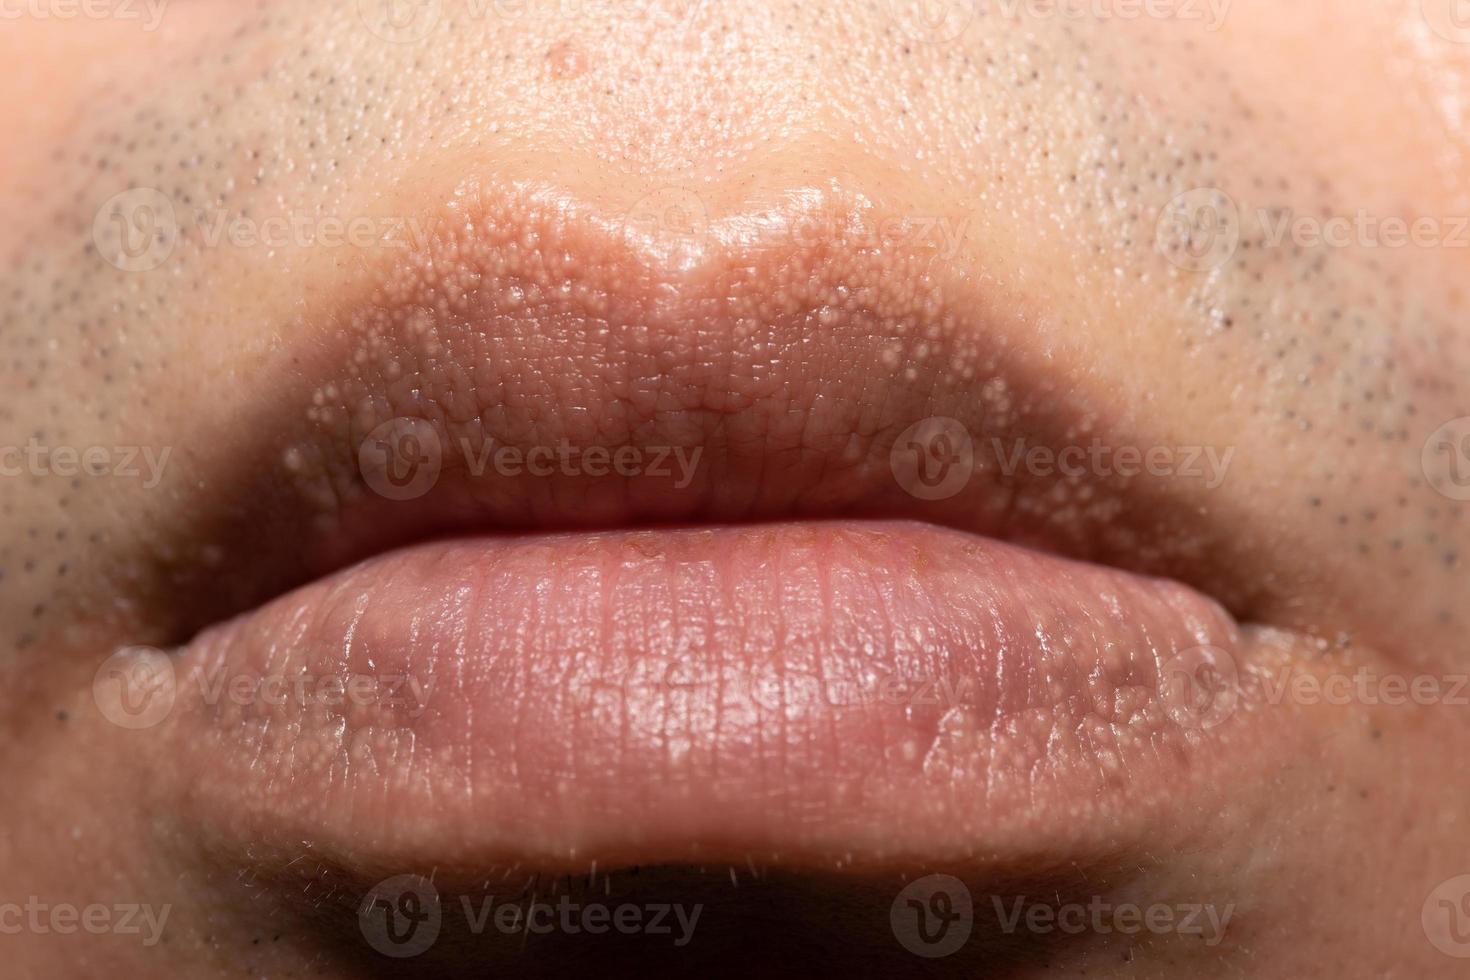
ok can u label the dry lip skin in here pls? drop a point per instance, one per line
(796, 669)
(875, 693)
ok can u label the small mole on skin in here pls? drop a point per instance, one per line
(566, 60)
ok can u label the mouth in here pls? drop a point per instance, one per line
(580, 542)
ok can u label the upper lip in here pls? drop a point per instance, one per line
(790, 357)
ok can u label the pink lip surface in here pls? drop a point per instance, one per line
(814, 694)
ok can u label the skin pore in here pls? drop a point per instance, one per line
(1001, 186)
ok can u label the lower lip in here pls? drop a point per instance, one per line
(860, 692)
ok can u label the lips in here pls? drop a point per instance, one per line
(837, 634)
(569, 366)
(888, 691)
